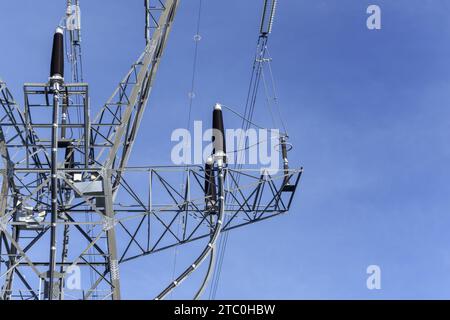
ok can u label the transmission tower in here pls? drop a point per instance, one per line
(66, 197)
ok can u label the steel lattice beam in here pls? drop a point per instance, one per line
(89, 168)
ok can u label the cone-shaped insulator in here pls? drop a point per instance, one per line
(220, 149)
(69, 163)
(57, 63)
(284, 148)
(210, 183)
(284, 154)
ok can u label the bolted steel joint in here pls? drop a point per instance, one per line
(109, 223)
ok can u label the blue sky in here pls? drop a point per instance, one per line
(367, 112)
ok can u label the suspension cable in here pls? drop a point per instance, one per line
(261, 58)
(217, 230)
(248, 116)
(191, 95)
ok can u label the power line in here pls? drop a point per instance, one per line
(191, 96)
(257, 74)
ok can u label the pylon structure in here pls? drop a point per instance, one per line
(67, 198)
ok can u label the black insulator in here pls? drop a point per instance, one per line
(219, 133)
(69, 162)
(57, 63)
(210, 184)
(70, 157)
(284, 149)
(267, 17)
(284, 154)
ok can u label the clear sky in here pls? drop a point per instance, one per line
(367, 112)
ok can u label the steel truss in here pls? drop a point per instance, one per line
(96, 227)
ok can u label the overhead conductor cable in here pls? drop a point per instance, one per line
(267, 19)
(219, 156)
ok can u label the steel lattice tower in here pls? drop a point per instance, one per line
(65, 183)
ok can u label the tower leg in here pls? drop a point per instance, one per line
(111, 238)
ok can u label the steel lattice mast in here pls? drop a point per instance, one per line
(60, 167)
